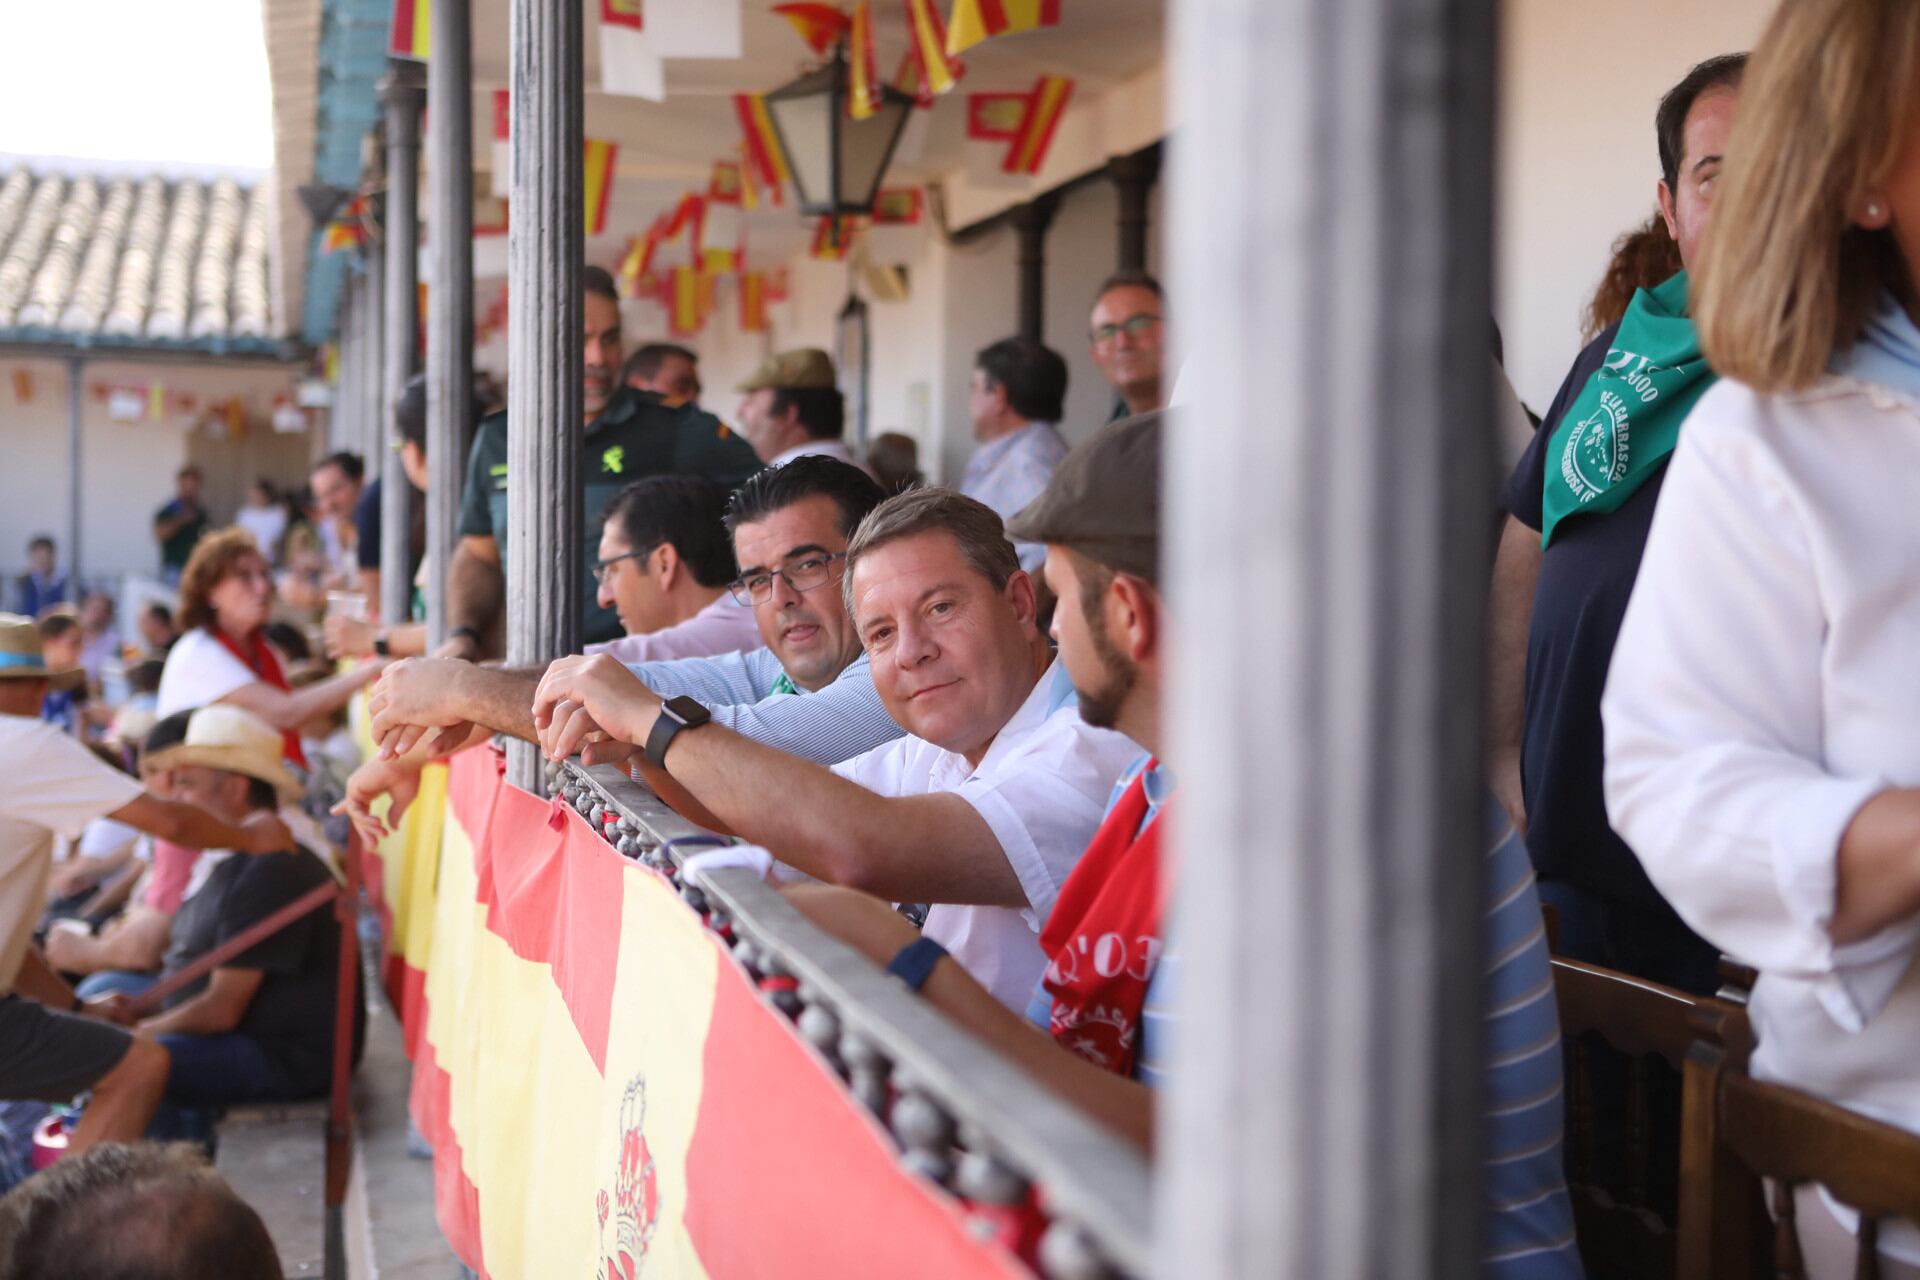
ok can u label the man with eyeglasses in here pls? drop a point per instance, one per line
(665, 566)
(809, 691)
(1128, 334)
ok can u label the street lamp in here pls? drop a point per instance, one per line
(837, 161)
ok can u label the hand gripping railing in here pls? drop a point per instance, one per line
(964, 1115)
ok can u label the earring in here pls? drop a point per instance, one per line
(1874, 211)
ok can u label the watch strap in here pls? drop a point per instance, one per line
(913, 964)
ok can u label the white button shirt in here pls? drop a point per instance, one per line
(1765, 685)
(1042, 788)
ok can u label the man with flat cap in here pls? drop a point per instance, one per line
(793, 407)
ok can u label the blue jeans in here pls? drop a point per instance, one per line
(210, 1073)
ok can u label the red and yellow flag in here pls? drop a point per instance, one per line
(684, 314)
(763, 152)
(833, 238)
(897, 207)
(863, 73)
(753, 302)
(623, 13)
(408, 38)
(775, 283)
(927, 41)
(348, 229)
(723, 186)
(23, 386)
(1026, 120)
(596, 180)
(818, 24)
(977, 20)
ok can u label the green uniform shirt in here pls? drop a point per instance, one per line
(636, 436)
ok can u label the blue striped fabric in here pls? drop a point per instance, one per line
(1529, 1223)
(837, 723)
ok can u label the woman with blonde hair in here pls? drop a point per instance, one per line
(226, 593)
(1762, 713)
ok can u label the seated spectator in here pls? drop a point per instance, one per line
(42, 585)
(894, 460)
(156, 629)
(338, 480)
(810, 691)
(265, 517)
(665, 562)
(666, 369)
(133, 1212)
(224, 658)
(100, 639)
(260, 1027)
(1763, 713)
(54, 788)
(793, 407)
(1128, 336)
(1018, 395)
(60, 641)
(982, 811)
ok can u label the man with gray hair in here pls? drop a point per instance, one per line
(982, 811)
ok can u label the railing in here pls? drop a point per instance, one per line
(963, 1115)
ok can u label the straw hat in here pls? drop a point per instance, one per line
(236, 741)
(131, 725)
(21, 657)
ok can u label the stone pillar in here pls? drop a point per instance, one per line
(1030, 223)
(544, 244)
(1133, 177)
(344, 415)
(1328, 524)
(450, 294)
(402, 93)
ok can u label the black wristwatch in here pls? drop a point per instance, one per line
(675, 714)
(381, 647)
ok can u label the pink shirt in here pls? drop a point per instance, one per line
(722, 627)
(168, 875)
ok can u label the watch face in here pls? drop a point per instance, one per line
(687, 711)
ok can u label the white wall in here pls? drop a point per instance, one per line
(1578, 162)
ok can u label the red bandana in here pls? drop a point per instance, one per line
(260, 659)
(1103, 937)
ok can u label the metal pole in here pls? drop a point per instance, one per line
(1328, 529)
(450, 294)
(344, 419)
(403, 93)
(373, 317)
(75, 403)
(544, 245)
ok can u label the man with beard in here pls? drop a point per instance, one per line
(627, 434)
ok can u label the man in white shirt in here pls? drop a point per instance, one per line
(665, 562)
(793, 407)
(982, 811)
(54, 787)
(1019, 392)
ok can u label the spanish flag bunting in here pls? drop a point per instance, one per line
(775, 284)
(330, 363)
(927, 40)
(820, 25)
(723, 233)
(995, 117)
(623, 13)
(236, 412)
(634, 262)
(348, 229)
(977, 20)
(683, 308)
(753, 302)
(408, 38)
(863, 97)
(650, 284)
(749, 185)
(897, 207)
(832, 238)
(23, 386)
(156, 400)
(1049, 102)
(764, 155)
(723, 187)
(597, 169)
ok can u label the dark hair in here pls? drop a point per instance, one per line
(811, 475)
(289, 640)
(1130, 279)
(56, 622)
(894, 459)
(645, 363)
(144, 677)
(349, 463)
(1642, 258)
(168, 731)
(158, 609)
(1032, 374)
(410, 413)
(686, 512)
(823, 410)
(1670, 121)
(261, 794)
(40, 540)
(968, 521)
(597, 280)
(188, 470)
(134, 1211)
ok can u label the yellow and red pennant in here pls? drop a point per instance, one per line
(409, 35)
(977, 20)
(684, 312)
(863, 73)
(753, 302)
(765, 158)
(833, 238)
(820, 25)
(623, 13)
(596, 176)
(898, 207)
(1025, 120)
(347, 229)
(927, 42)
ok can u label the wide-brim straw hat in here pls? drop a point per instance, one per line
(21, 657)
(235, 741)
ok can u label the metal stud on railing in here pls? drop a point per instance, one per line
(1067, 1253)
(695, 898)
(820, 1026)
(867, 1070)
(925, 1130)
(988, 1179)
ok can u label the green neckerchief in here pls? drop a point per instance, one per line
(1626, 420)
(782, 684)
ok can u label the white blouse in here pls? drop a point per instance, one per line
(1766, 684)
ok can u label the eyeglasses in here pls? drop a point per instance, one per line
(603, 568)
(1133, 326)
(802, 575)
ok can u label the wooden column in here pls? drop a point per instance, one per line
(450, 293)
(544, 244)
(1133, 177)
(1030, 223)
(402, 93)
(1328, 521)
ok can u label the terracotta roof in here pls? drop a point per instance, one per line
(122, 260)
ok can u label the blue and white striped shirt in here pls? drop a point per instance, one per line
(837, 723)
(1010, 472)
